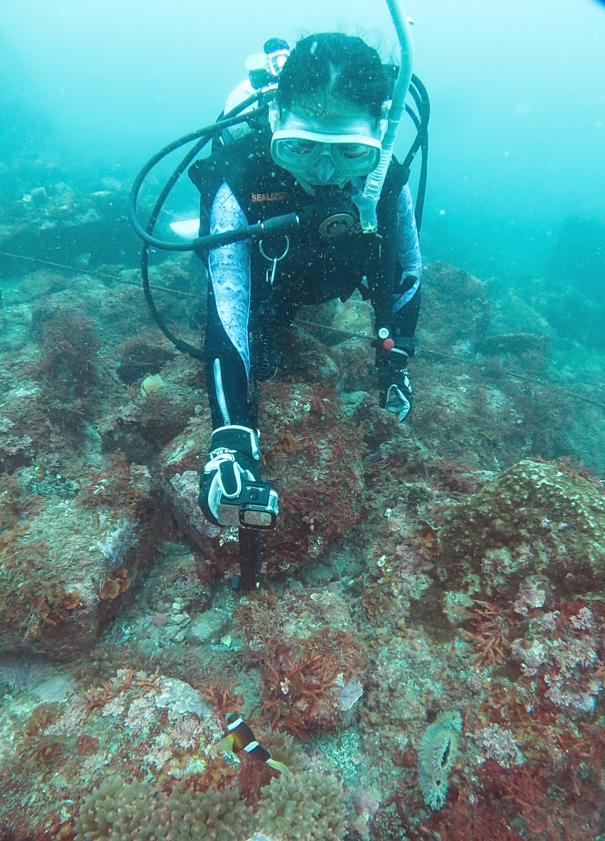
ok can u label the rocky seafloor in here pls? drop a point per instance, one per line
(426, 652)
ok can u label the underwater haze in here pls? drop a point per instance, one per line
(416, 650)
(517, 159)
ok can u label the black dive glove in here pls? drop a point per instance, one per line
(233, 459)
(392, 354)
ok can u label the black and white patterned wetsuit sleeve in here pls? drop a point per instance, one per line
(227, 349)
(406, 297)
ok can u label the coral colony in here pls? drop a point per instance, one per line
(425, 657)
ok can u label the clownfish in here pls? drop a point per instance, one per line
(240, 737)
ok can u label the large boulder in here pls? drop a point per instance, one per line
(313, 456)
(536, 526)
(68, 562)
(180, 464)
(455, 309)
(310, 453)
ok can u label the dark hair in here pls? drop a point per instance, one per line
(342, 66)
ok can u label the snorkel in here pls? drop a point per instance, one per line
(368, 200)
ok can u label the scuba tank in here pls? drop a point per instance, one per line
(263, 72)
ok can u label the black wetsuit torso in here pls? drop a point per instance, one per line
(314, 269)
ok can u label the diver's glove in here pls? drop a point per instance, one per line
(396, 397)
(392, 354)
(233, 458)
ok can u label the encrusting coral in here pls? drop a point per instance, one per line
(533, 519)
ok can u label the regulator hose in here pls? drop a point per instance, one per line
(279, 223)
(421, 121)
(203, 136)
(206, 134)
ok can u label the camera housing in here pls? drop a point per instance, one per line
(255, 508)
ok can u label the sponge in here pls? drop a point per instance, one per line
(436, 754)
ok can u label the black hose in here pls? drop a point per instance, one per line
(180, 344)
(421, 193)
(420, 120)
(421, 98)
(204, 135)
(418, 123)
(269, 225)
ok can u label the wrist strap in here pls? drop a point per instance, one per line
(240, 438)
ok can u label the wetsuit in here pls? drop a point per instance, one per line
(250, 308)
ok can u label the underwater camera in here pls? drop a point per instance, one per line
(256, 507)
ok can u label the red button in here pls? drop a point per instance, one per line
(388, 344)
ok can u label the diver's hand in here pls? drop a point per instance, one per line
(394, 381)
(233, 457)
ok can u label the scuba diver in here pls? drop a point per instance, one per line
(310, 156)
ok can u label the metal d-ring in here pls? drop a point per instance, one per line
(274, 259)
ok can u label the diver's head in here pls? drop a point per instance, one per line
(328, 118)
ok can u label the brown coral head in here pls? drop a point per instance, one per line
(86, 745)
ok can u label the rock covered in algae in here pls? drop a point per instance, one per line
(455, 309)
(68, 563)
(312, 455)
(534, 522)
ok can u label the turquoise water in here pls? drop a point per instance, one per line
(518, 111)
(426, 653)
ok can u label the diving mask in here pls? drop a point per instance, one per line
(325, 158)
(331, 153)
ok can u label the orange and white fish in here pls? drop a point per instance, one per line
(240, 737)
